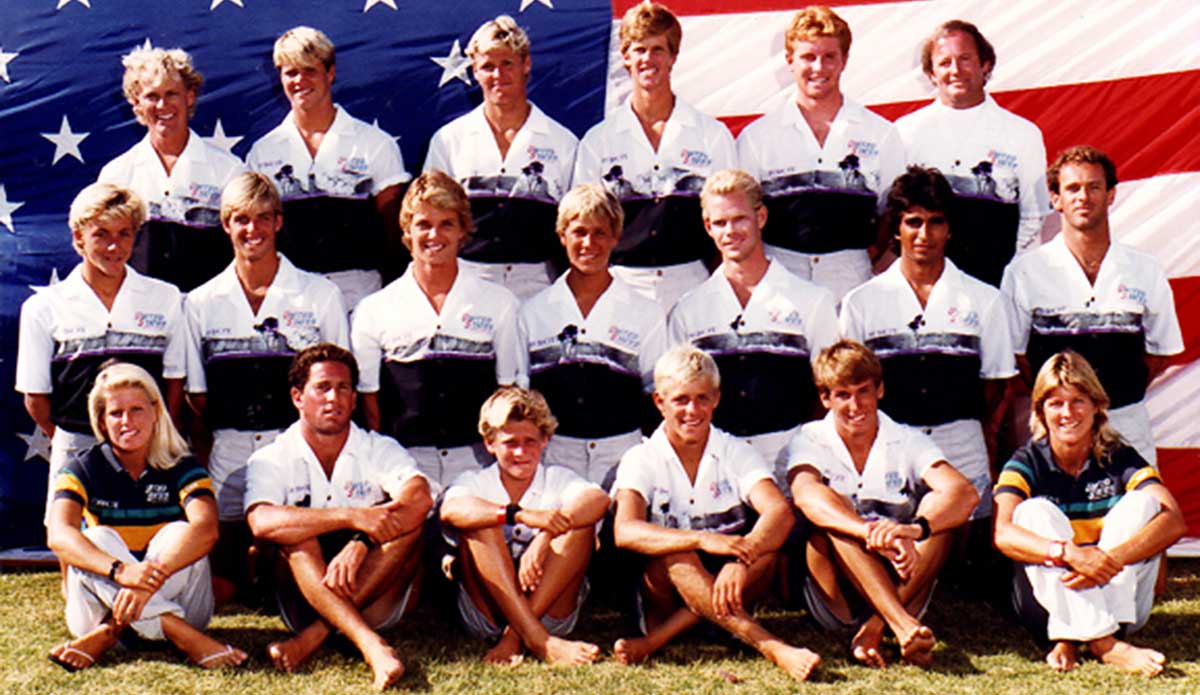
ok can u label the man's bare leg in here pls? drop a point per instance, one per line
(203, 650)
(557, 594)
(695, 587)
(340, 613)
(493, 582)
(870, 576)
(1063, 657)
(1127, 657)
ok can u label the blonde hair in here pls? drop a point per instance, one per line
(1069, 369)
(436, 188)
(590, 200)
(515, 404)
(102, 203)
(817, 22)
(499, 32)
(844, 363)
(648, 19)
(247, 191)
(684, 364)
(729, 182)
(166, 446)
(143, 63)
(304, 47)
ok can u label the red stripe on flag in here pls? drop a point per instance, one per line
(1139, 121)
(684, 8)
(1187, 307)
(1180, 470)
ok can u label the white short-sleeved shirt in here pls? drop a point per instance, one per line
(370, 470)
(996, 162)
(182, 242)
(433, 370)
(593, 371)
(241, 358)
(66, 334)
(514, 198)
(934, 358)
(729, 469)
(660, 190)
(763, 350)
(891, 481)
(821, 198)
(552, 487)
(330, 220)
(1128, 313)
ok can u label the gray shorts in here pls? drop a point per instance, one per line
(479, 627)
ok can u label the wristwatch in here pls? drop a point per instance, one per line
(1056, 554)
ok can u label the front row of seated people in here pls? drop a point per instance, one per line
(345, 508)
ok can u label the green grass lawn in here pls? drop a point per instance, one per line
(980, 651)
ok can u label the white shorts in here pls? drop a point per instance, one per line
(63, 445)
(840, 271)
(665, 284)
(355, 284)
(227, 466)
(593, 459)
(522, 279)
(962, 443)
(442, 466)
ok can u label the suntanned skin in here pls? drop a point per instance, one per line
(675, 574)
(360, 586)
(551, 571)
(879, 561)
(1069, 416)
(129, 423)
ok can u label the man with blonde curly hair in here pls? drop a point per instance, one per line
(514, 161)
(525, 532)
(340, 178)
(426, 368)
(104, 309)
(654, 152)
(178, 173)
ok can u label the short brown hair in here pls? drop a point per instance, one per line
(647, 19)
(844, 363)
(1081, 154)
(515, 404)
(438, 189)
(817, 22)
(987, 54)
(304, 360)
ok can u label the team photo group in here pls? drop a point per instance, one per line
(828, 363)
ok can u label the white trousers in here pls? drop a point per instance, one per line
(593, 459)
(665, 284)
(187, 594)
(1097, 612)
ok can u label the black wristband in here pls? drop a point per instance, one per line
(926, 532)
(362, 538)
(116, 567)
(510, 514)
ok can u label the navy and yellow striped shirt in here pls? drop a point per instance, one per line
(1032, 472)
(135, 509)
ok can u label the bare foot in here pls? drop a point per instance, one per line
(797, 661)
(289, 654)
(1127, 657)
(917, 647)
(385, 664)
(83, 652)
(227, 656)
(561, 652)
(1063, 657)
(631, 650)
(865, 645)
(507, 651)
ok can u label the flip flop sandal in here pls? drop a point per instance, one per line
(68, 649)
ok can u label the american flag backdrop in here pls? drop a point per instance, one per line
(1121, 75)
